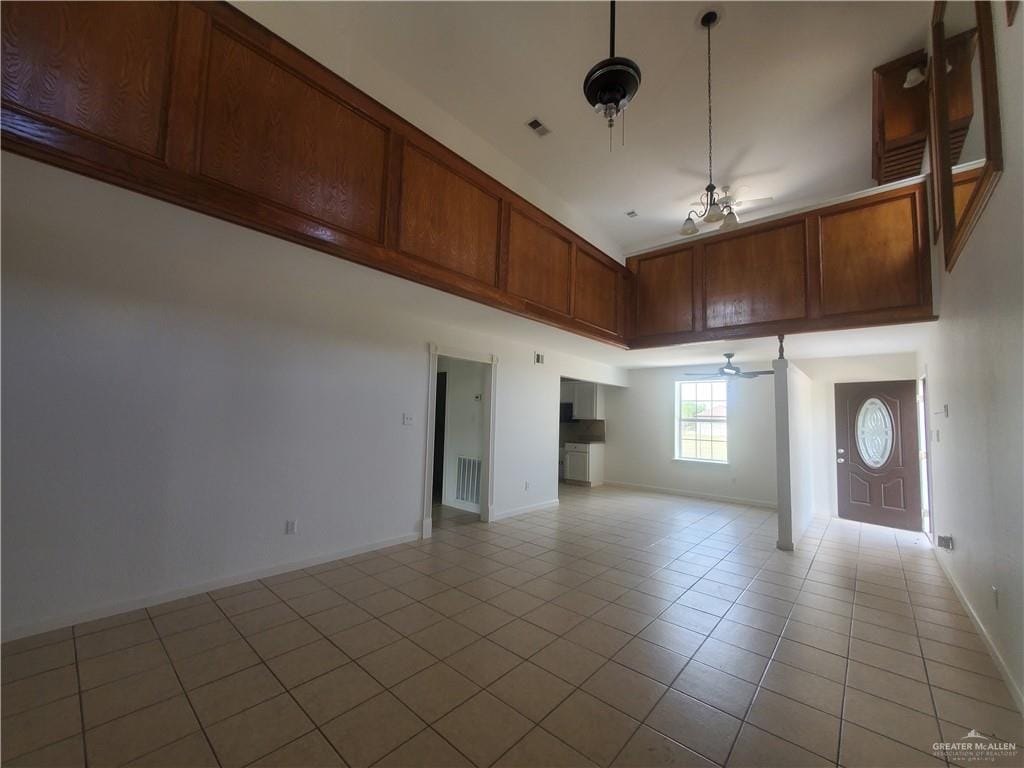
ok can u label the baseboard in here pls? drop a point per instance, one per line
(540, 505)
(111, 609)
(694, 495)
(1012, 685)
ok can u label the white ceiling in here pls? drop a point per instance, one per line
(792, 96)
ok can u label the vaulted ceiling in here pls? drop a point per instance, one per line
(792, 96)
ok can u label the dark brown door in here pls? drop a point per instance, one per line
(876, 453)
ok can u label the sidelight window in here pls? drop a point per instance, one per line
(701, 421)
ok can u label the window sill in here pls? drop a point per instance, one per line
(702, 461)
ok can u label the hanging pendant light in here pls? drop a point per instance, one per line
(715, 208)
(612, 83)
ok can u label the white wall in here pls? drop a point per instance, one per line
(464, 427)
(640, 450)
(974, 362)
(825, 373)
(802, 444)
(176, 387)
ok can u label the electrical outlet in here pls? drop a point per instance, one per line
(406, 419)
(290, 527)
(526, 485)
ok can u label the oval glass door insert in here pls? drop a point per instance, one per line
(874, 432)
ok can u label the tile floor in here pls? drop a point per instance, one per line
(622, 629)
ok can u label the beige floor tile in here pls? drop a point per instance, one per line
(119, 698)
(187, 618)
(18, 666)
(818, 692)
(193, 751)
(810, 659)
(385, 601)
(717, 688)
(913, 728)
(752, 617)
(623, 618)
(522, 638)
(365, 734)
(325, 697)
(297, 587)
(258, 731)
(516, 602)
(625, 689)
(214, 664)
(444, 638)
(695, 725)
(652, 660)
(755, 748)
(483, 728)
(483, 618)
(531, 691)
(411, 618)
(250, 600)
(746, 637)
(690, 618)
(812, 729)
(969, 684)
(200, 639)
(115, 639)
(578, 601)
(230, 695)
(394, 663)
(451, 601)
(338, 618)
(273, 615)
(68, 753)
(483, 662)
(554, 618)
(422, 587)
(890, 638)
(706, 603)
(309, 751)
(14, 647)
(305, 663)
(591, 727)
(672, 636)
(425, 750)
(113, 666)
(971, 713)
(144, 731)
(732, 659)
(863, 749)
(235, 589)
(39, 689)
(482, 588)
(649, 749)
(365, 638)
(108, 622)
(600, 638)
(887, 658)
(40, 727)
(435, 691)
(817, 637)
(315, 602)
(888, 685)
(569, 661)
(973, 661)
(539, 749)
(283, 638)
(179, 605)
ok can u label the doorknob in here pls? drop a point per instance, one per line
(841, 451)
(840, 460)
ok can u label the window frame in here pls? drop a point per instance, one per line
(678, 447)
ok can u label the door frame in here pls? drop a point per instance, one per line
(490, 391)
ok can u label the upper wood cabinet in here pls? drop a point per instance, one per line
(447, 219)
(197, 104)
(539, 263)
(899, 119)
(862, 262)
(99, 68)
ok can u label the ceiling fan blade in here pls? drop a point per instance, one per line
(753, 202)
(755, 374)
(703, 375)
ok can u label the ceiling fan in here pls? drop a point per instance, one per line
(727, 198)
(731, 371)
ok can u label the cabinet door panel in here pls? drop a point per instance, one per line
(446, 219)
(538, 263)
(756, 278)
(870, 257)
(101, 68)
(664, 288)
(596, 294)
(268, 132)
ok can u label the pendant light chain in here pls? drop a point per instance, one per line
(710, 176)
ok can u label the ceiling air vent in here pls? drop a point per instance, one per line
(538, 127)
(631, 214)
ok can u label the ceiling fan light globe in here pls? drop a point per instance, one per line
(730, 221)
(689, 227)
(714, 214)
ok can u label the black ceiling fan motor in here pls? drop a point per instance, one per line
(612, 81)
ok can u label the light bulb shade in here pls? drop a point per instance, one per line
(714, 214)
(730, 221)
(915, 77)
(689, 226)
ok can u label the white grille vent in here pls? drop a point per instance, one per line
(467, 480)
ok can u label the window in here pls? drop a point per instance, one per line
(701, 428)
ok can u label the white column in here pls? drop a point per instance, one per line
(782, 459)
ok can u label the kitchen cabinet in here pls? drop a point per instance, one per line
(586, 397)
(584, 463)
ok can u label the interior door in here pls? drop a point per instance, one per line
(877, 453)
(440, 402)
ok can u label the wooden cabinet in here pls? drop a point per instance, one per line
(899, 119)
(861, 262)
(196, 104)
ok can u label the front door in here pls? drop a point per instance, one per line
(877, 453)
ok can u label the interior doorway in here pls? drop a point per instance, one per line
(457, 478)
(877, 466)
